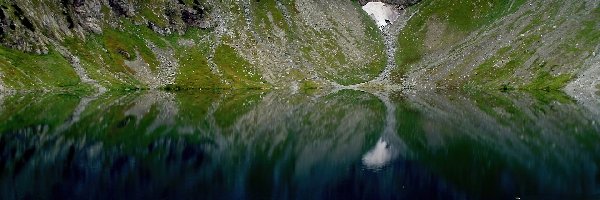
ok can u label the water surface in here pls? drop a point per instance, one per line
(277, 145)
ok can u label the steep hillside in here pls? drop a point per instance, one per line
(128, 44)
(522, 44)
(192, 44)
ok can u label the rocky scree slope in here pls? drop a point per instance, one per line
(185, 44)
(491, 45)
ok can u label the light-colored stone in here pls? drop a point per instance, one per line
(383, 14)
(78, 68)
(1, 83)
(168, 65)
(585, 87)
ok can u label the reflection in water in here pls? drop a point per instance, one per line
(276, 145)
(379, 156)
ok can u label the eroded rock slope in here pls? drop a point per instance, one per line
(125, 44)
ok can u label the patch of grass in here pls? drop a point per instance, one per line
(237, 70)
(589, 36)
(262, 11)
(461, 17)
(375, 43)
(194, 71)
(103, 56)
(149, 12)
(339, 68)
(123, 44)
(548, 82)
(309, 85)
(32, 72)
(496, 72)
(100, 64)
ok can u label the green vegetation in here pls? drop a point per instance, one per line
(322, 48)
(310, 54)
(235, 105)
(457, 17)
(150, 12)
(31, 109)
(194, 70)
(309, 85)
(37, 72)
(158, 138)
(237, 70)
(441, 26)
(460, 17)
(548, 82)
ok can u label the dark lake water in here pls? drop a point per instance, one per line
(318, 145)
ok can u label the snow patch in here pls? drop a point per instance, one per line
(384, 14)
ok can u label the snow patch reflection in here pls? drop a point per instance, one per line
(379, 156)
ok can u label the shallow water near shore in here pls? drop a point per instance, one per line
(343, 144)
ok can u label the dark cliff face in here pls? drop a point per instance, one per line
(31, 26)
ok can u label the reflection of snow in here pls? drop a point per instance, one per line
(378, 156)
(382, 13)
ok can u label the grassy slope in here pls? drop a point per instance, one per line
(461, 17)
(501, 69)
(103, 56)
(318, 47)
(26, 71)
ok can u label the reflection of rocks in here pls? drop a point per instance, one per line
(165, 104)
(512, 134)
(2, 96)
(76, 116)
(327, 133)
(2, 89)
(280, 145)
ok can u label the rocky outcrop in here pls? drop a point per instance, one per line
(18, 31)
(192, 43)
(29, 27)
(584, 88)
(230, 44)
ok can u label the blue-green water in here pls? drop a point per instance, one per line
(278, 145)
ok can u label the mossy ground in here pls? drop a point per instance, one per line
(34, 72)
